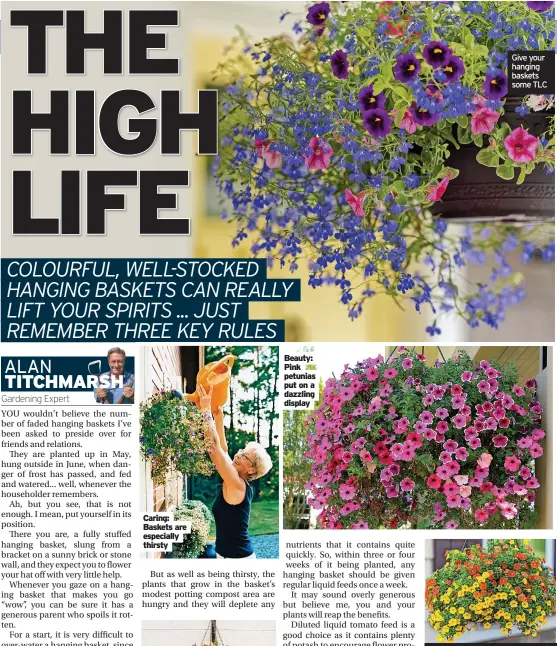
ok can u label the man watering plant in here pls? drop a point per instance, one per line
(123, 390)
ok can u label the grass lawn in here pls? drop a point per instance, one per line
(264, 518)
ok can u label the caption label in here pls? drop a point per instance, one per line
(300, 380)
(160, 530)
(531, 73)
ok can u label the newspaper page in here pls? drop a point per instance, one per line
(271, 270)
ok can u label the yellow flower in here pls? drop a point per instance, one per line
(525, 604)
(461, 610)
(513, 604)
(453, 622)
(467, 615)
(452, 610)
(487, 625)
(445, 630)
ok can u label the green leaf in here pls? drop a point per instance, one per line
(380, 84)
(481, 50)
(464, 135)
(478, 140)
(462, 120)
(400, 91)
(423, 523)
(487, 157)
(363, 32)
(386, 70)
(469, 41)
(504, 129)
(522, 175)
(505, 171)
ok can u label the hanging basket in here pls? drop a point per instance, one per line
(478, 194)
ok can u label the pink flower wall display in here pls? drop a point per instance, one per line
(399, 443)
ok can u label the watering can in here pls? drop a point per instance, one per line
(215, 374)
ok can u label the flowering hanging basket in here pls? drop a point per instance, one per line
(506, 585)
(172, 436)
(343, 146)
(401, 444)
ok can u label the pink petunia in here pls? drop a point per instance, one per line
(483, 121)
(390, 373)
(512, 463)
(408, 123)
(407, 363)
(366, 456)
(434, 481)
(426, 417)
(536, 450)
(272, 158)
(442, 427)
(485, 460)
(346, 492)
(461, 454)
(500, 441)
(538, 434)
(360, 525)
(474, 443)
(442, 413)
(320, 156)
(436, 192)
(481, 515)
(450, 446)
(521, 146)
(451, 524)
(532, 483)
(407, 484)
(459, 421)
(466, 376)
(465, 491)
(356, 202)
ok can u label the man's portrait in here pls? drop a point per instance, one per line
(122, 390)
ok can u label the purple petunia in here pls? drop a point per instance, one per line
(454, 69)
(318, 13)
(406, 68)
(422, 116)
(496, 85)
(377, 122)
(539, 7)
(437, 54)
(368, 100)
(339, 64)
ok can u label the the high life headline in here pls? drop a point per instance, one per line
(77, 112)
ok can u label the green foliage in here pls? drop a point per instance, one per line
(194, 543)
(173, 436)
(296, 469)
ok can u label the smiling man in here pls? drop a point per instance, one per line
(123, 394)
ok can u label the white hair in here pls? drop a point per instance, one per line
(262, 459)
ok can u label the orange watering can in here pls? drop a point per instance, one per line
(215, 374)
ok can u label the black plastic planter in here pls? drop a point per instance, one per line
(479, 195)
